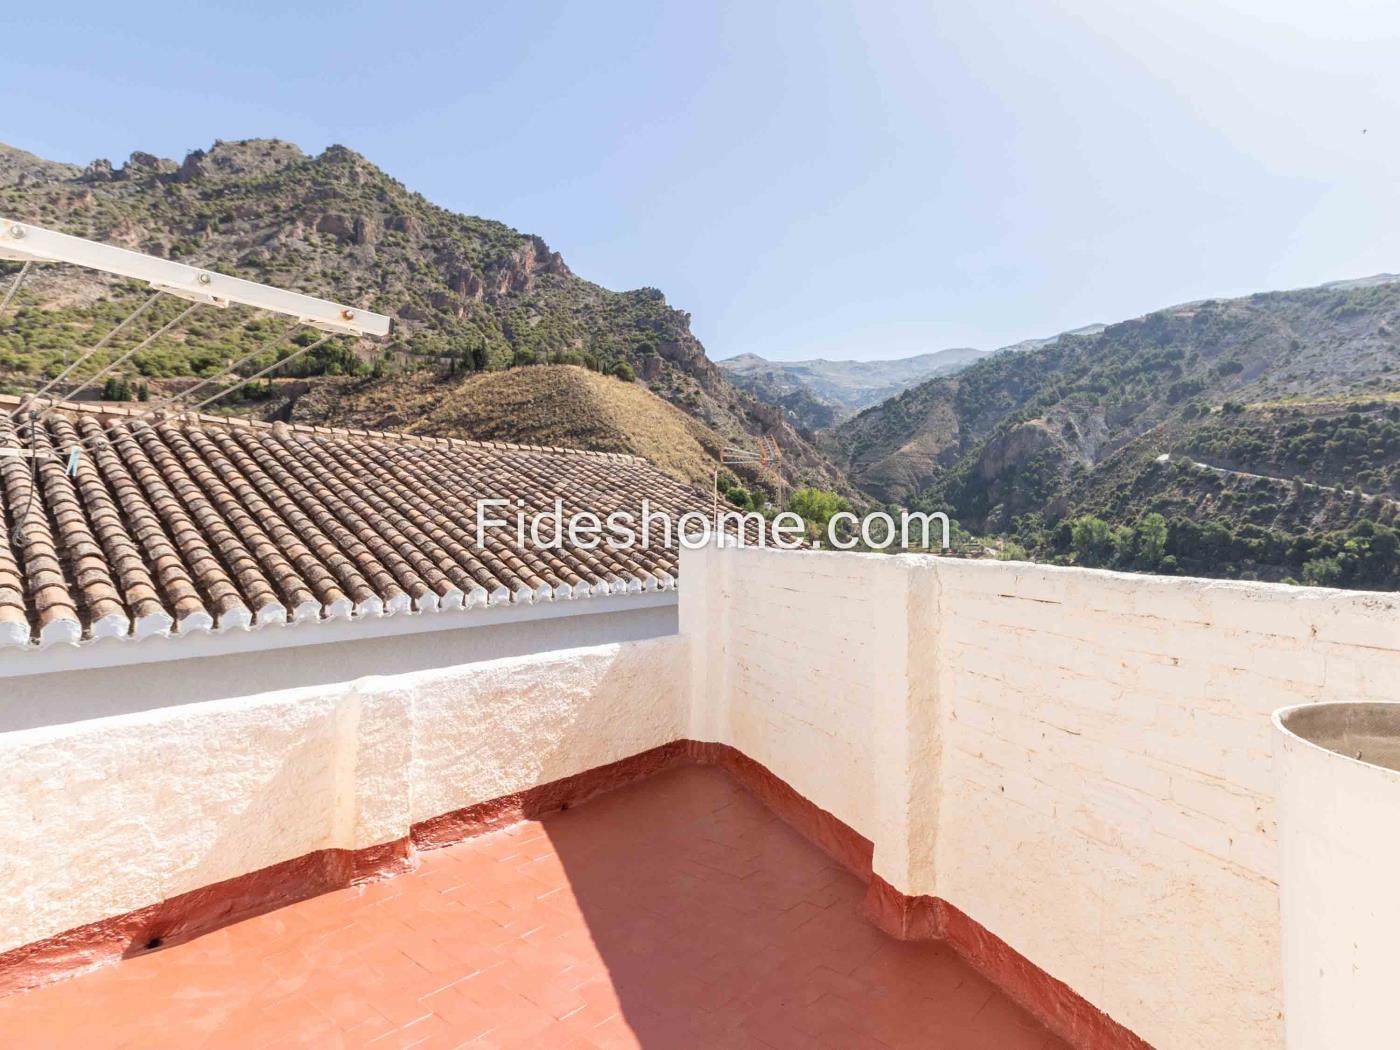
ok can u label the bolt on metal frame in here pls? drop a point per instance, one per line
(29, 244)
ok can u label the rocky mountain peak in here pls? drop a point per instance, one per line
(140, 166)
(243, 157)
(19, 168)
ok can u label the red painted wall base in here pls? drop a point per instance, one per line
(1052, 1002)
(200, 911)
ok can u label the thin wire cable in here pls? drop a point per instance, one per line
(107, 368)
(17, 533)
(259, 374)
(98, 436)
(270, 344)
(44, 412)
(145, 422)
(89, 352)
(14, 287)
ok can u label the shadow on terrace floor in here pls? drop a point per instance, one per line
(677, 912)
(719, 926)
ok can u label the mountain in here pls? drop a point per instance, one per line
(1036, 344)
(1276, 414)
(18, 167)
(466, 293)
(820, 393)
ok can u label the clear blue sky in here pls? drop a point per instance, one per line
(854, 179)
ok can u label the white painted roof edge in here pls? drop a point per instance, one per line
(120, 652)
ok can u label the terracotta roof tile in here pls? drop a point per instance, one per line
(196, 523)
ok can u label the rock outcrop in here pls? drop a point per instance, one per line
(464, 289)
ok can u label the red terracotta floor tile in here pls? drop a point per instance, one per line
(676, 913)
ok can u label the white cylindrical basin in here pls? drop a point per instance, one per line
(1338, 772)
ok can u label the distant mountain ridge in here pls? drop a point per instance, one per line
(817, 394)
(820, 393)
(1301, 388)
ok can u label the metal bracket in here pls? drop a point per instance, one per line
(193, 296)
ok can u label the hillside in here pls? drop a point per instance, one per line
(466, 293)
(549, 405)
(1291, 395)
(1036, 344)
(819, 394)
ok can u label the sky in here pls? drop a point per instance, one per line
(830, 178)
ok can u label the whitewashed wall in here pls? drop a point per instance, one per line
(104, 816)
(1081, 761)
(804, 663)
(29, 700)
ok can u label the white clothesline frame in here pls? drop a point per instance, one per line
(25, 242)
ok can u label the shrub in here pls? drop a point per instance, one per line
(1151, 538)
(1322, 572)
(1091, 540)
(816, 507)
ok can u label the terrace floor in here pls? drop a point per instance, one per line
(678, 912)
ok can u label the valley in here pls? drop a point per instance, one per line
(1255, 437)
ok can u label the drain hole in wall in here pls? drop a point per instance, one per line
(153, 944)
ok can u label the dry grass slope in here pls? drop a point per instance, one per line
(559, 405)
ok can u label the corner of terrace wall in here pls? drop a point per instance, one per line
(905, 704)
(704, 630)
(824, 667)
(928, 685)
(1061, 772)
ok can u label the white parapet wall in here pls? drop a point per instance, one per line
(109, 815)
(804, 663)
(1081, 761)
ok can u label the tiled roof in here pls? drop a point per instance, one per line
(203, 523)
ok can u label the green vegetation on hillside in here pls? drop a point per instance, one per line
(1362, 555)
(1278, 415)
(466, 294)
